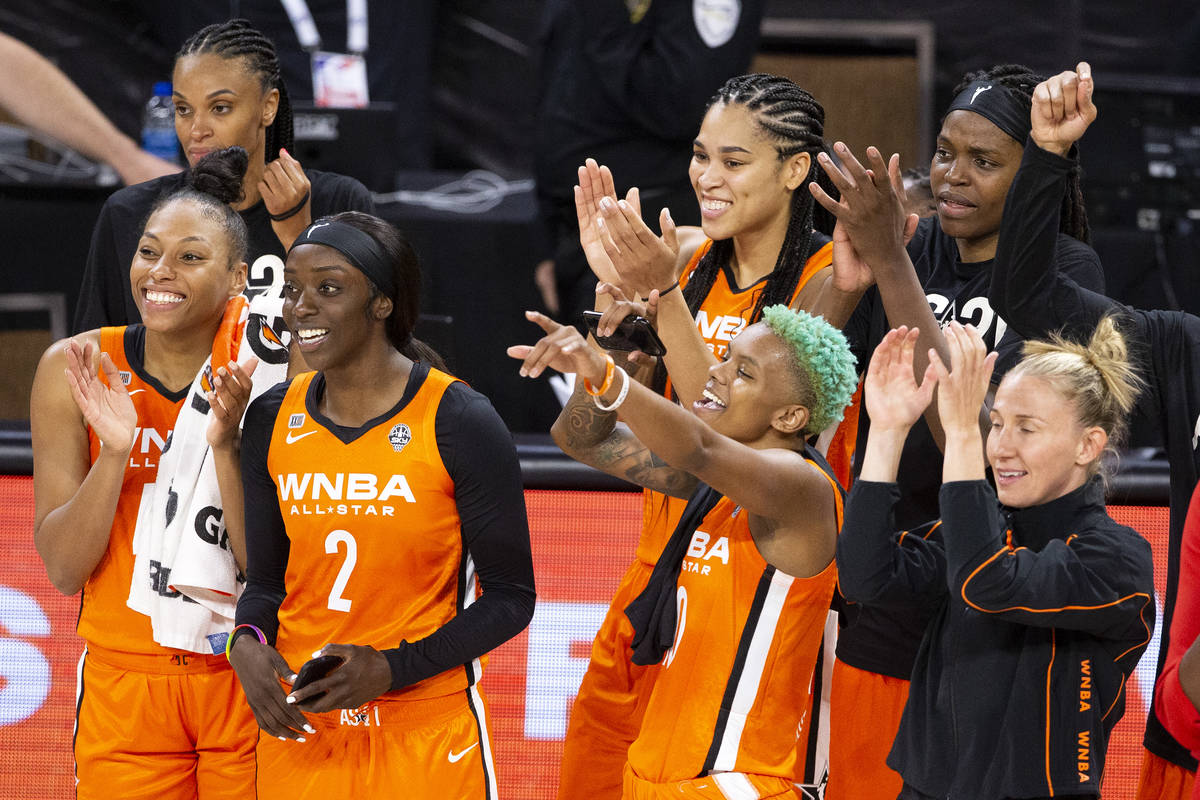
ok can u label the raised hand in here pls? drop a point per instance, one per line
(228, 400)
(562, 348)
(893, 398)
(364, 675)
(963, 386)
(643, 260)
(870, 209)
(1062, 109)
(105, 404)
(285, 189)
(595, 184)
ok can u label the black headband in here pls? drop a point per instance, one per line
(993, 102)
(359, 248)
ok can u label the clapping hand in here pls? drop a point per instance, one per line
(894, 400)
(105, 403)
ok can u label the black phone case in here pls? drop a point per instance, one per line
(314, 669)
(634, 333)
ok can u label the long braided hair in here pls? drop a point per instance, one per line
(795, 122)
(237, 38)
(1018, 82)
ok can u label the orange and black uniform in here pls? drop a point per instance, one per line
(151, 721)
(1043, 613)
(611, 701)
(728, 703)
(407, 534)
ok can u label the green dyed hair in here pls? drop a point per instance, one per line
(822, 359)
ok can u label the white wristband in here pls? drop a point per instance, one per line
(620, 395)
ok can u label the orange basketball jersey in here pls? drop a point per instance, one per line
(376, 552)
(721, 316)
(732, 691)
(105, 620)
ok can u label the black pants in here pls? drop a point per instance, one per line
(909, 793)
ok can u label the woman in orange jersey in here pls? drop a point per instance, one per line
(387, 531)
(152, 721)
(757, 246)
(736, 606)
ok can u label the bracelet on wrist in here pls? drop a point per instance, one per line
(608, 379)
(291, 212)
(668, 290)
(621, 395)
(238, 631)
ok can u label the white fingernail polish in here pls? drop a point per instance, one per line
(291, 698)
(310, 729)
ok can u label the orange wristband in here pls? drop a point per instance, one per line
(608, 379)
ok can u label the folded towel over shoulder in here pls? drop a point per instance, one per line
(185, 577)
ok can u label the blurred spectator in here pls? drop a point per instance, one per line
(38, 95)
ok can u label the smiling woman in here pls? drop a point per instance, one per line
(152, 721)
(228, 93)
(1052, 599)
(389, 531)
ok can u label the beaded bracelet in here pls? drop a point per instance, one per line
(233, 634)
(291, 212)
(608, 379)
(620, 395)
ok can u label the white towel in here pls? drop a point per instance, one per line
(185, 577)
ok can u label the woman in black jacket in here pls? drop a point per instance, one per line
(1046, 604)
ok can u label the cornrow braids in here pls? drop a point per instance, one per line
(237, 38)
(794, 120)
(1018, 82)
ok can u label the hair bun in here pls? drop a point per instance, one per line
(220, 174)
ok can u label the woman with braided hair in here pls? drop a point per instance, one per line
(756, 247)
(978, 150)
(227, 91)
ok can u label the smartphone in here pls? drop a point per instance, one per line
(313, 670)
(633, 333)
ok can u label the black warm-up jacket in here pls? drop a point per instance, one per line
(1021, 674)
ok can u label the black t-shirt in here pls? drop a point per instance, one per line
(479, 456)
(885, 640)
(104, 295)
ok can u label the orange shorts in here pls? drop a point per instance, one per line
(608, 710)
(434, 748)
(161, 726)
(865, 716)
(1163, 780)
(718, 786)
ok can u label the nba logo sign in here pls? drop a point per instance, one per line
(399, 436)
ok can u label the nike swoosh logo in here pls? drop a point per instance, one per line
(135, 391)
(454, 757)
(293, 438)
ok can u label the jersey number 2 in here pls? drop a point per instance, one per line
(336, 601)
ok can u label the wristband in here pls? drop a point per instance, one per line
(668, 290)
(291, 212)
(620, 395)
(608, 379)
(244, 628)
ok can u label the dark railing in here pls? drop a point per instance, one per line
(1141, 476)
